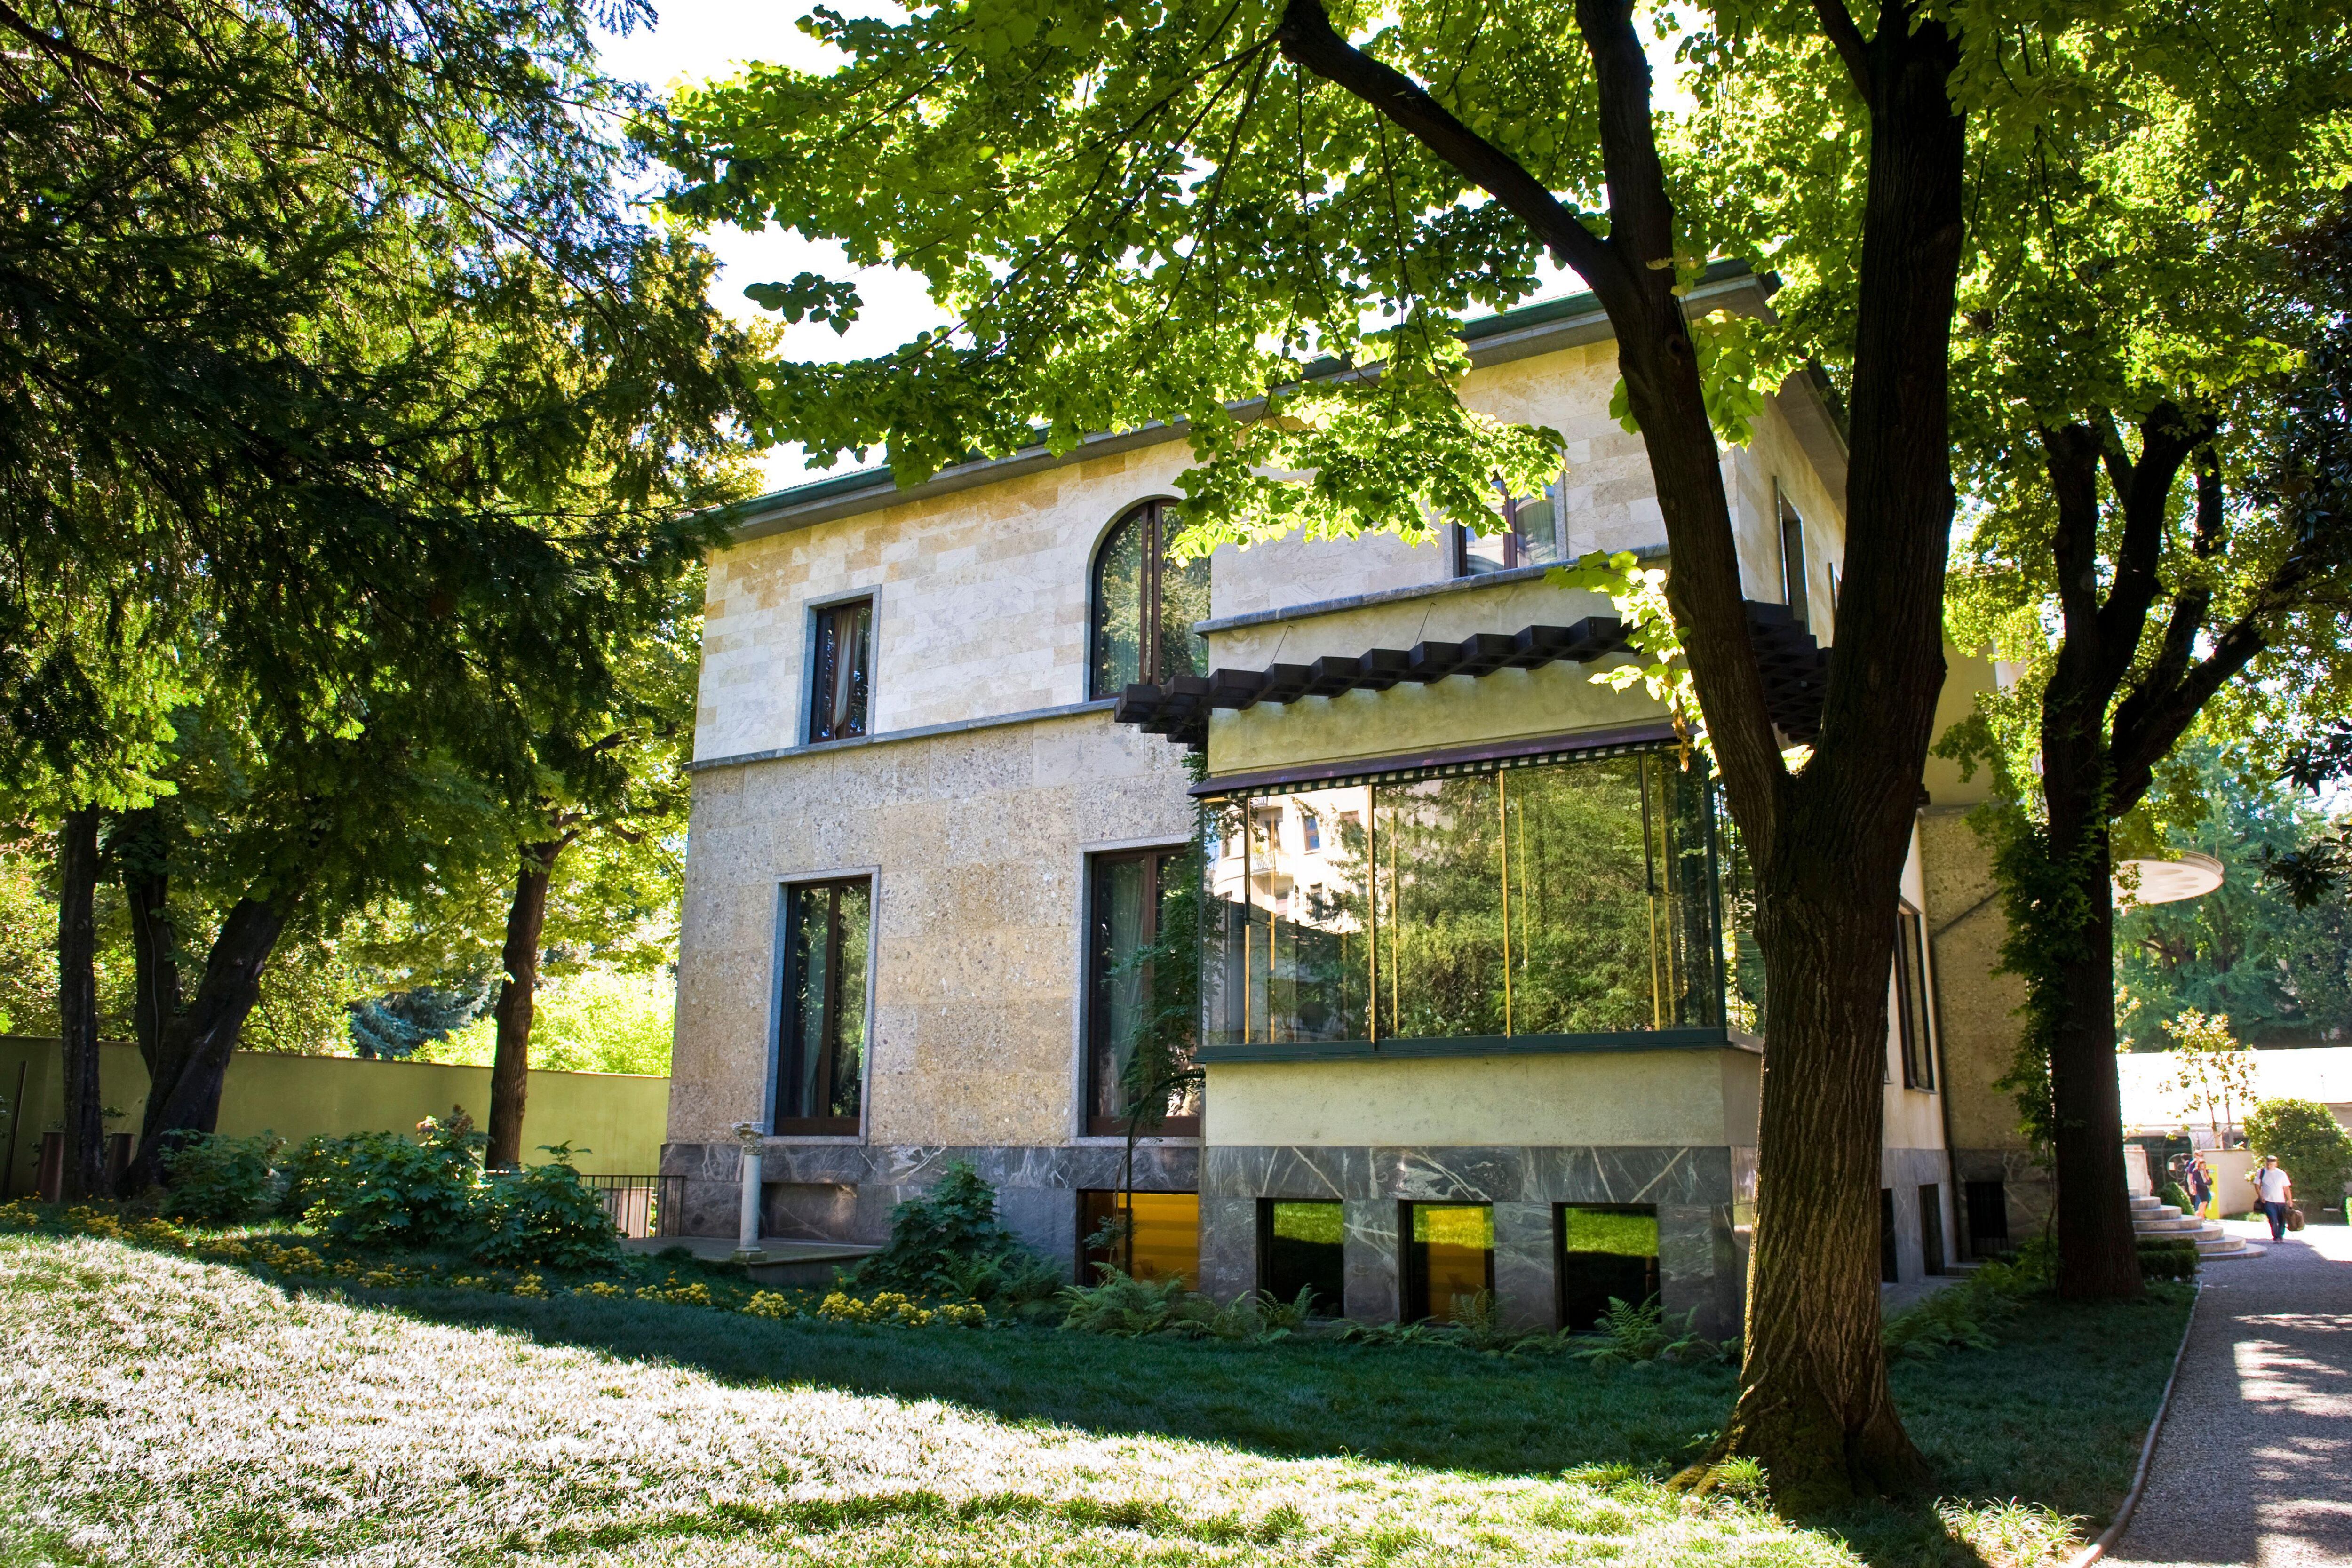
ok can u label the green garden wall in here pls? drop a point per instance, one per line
(617, 1118)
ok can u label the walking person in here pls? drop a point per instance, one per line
(2276, 1188)
(2200, 1187)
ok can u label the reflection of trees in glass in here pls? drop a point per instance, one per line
(1438, 881)
(1573, 899)
(1743, 955)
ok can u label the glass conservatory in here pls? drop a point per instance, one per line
(1530, 903)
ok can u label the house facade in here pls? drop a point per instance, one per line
(1001, 812)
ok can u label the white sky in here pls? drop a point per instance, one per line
(712, 39)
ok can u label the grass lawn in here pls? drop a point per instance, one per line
(155, 1408)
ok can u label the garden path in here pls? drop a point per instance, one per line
(2255, 1464)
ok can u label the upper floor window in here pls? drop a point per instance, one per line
(1145, 604)
(1912, 1001)
(1526, 531)
(1793, 559)
(821, 1046)
(839, 679)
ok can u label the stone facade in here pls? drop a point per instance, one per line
(990, 773)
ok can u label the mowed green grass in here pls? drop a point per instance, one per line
(155, 1409)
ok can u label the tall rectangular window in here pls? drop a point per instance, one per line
(1912, 1001)
(840, 670)
(821, 1048)
(1792, 560)
(1140, 988)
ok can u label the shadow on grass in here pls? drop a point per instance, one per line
(2049, 1422)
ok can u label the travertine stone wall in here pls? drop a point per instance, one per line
(1966, 922)
(976, 843)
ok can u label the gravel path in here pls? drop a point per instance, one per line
(2254, 1465)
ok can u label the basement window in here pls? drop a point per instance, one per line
(1607, 1252)
(1303, 1246)
(1167, 1235)
(1449, 1259)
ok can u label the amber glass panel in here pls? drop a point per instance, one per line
(1304, 1248)
(1450, 1258)
(1167, 1234)
(1607, 1252)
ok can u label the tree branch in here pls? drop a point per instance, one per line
(1838, 26)
(1308, 39)
(2167, 437)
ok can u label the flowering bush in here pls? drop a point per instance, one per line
(770, 1304)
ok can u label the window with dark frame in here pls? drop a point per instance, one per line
(1912, 1002)
(821, 1043)
(1792, 560)
(1130, 896)
(1145, 605)
(840, 678)
(1529, 535)
(1303, 1246)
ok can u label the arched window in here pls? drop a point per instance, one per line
(1145, 604)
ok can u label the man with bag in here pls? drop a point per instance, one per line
(2276, 1188)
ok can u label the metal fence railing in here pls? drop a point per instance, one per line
(642, 1205)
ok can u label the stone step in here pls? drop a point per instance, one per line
(2169, 1226)
(2230, 1246)
(2145, 1203)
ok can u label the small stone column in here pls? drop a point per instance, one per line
(751, 1138)
(1374, 1265)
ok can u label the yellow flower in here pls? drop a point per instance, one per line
(771, 1304)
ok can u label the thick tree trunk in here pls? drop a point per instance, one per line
(189, 1058)
(1813, 1405)
(511, 1067)
(84, 1168)
(2098, 1256)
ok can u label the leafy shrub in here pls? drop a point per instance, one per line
(2178, 1196)
(948, 1243)
(546, 1214)
(2169, 1257)
(1127, 1308)
(1632, 1333)
(373, 1188)
(2311, 1147)
(215, 1180)
(1956, 1318)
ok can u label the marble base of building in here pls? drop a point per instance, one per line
(1702, 1198)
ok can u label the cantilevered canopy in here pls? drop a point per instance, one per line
(1794, 667)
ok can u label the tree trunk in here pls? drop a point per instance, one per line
(85, 1166)
(511, 1067)
(2098, 1254)
(191, 1046)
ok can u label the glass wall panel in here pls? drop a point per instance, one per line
(1574, 898)
(1743, 955)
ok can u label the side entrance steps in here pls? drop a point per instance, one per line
(2163, 1222)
